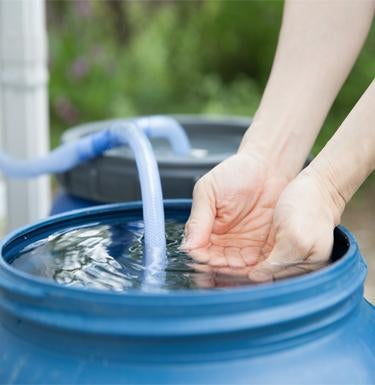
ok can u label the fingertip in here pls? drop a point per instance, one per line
(194, 240)
(218, 261)
(202, 216)
(185, 245)
(197, 232)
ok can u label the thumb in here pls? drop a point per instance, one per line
(200, 223)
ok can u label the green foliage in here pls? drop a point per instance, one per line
(123, 58)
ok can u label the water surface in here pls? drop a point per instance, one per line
(110, 257)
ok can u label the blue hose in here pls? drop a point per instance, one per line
(70, 155)
(132, 133)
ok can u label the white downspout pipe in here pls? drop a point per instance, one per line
(24, 103)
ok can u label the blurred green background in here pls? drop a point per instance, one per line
(123, 58)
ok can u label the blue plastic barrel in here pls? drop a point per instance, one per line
(313, 329)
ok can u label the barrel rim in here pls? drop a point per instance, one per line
(86, 213)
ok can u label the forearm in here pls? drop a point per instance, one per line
(349, 157)
(318, 44)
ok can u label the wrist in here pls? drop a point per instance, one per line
(348, 158)
(279, 143)
(322, 176)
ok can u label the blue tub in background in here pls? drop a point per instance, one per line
(313, 329)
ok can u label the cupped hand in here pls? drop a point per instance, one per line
(301, 236)
(232, 212)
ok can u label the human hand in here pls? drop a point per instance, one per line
(232, 211)
(301, 236)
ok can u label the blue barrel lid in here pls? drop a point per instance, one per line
(275, 311)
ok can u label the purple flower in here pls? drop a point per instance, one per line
(65, 110)
(79, 68)
(83, 8)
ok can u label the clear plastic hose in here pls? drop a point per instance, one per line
(151, 191)
(132, 133)
(166, 127)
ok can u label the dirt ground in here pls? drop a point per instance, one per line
(359, 218)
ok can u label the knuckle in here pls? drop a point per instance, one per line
(323, 249)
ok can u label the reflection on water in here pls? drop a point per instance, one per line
(110, 257)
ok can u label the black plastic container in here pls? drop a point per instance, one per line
(113, 177)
